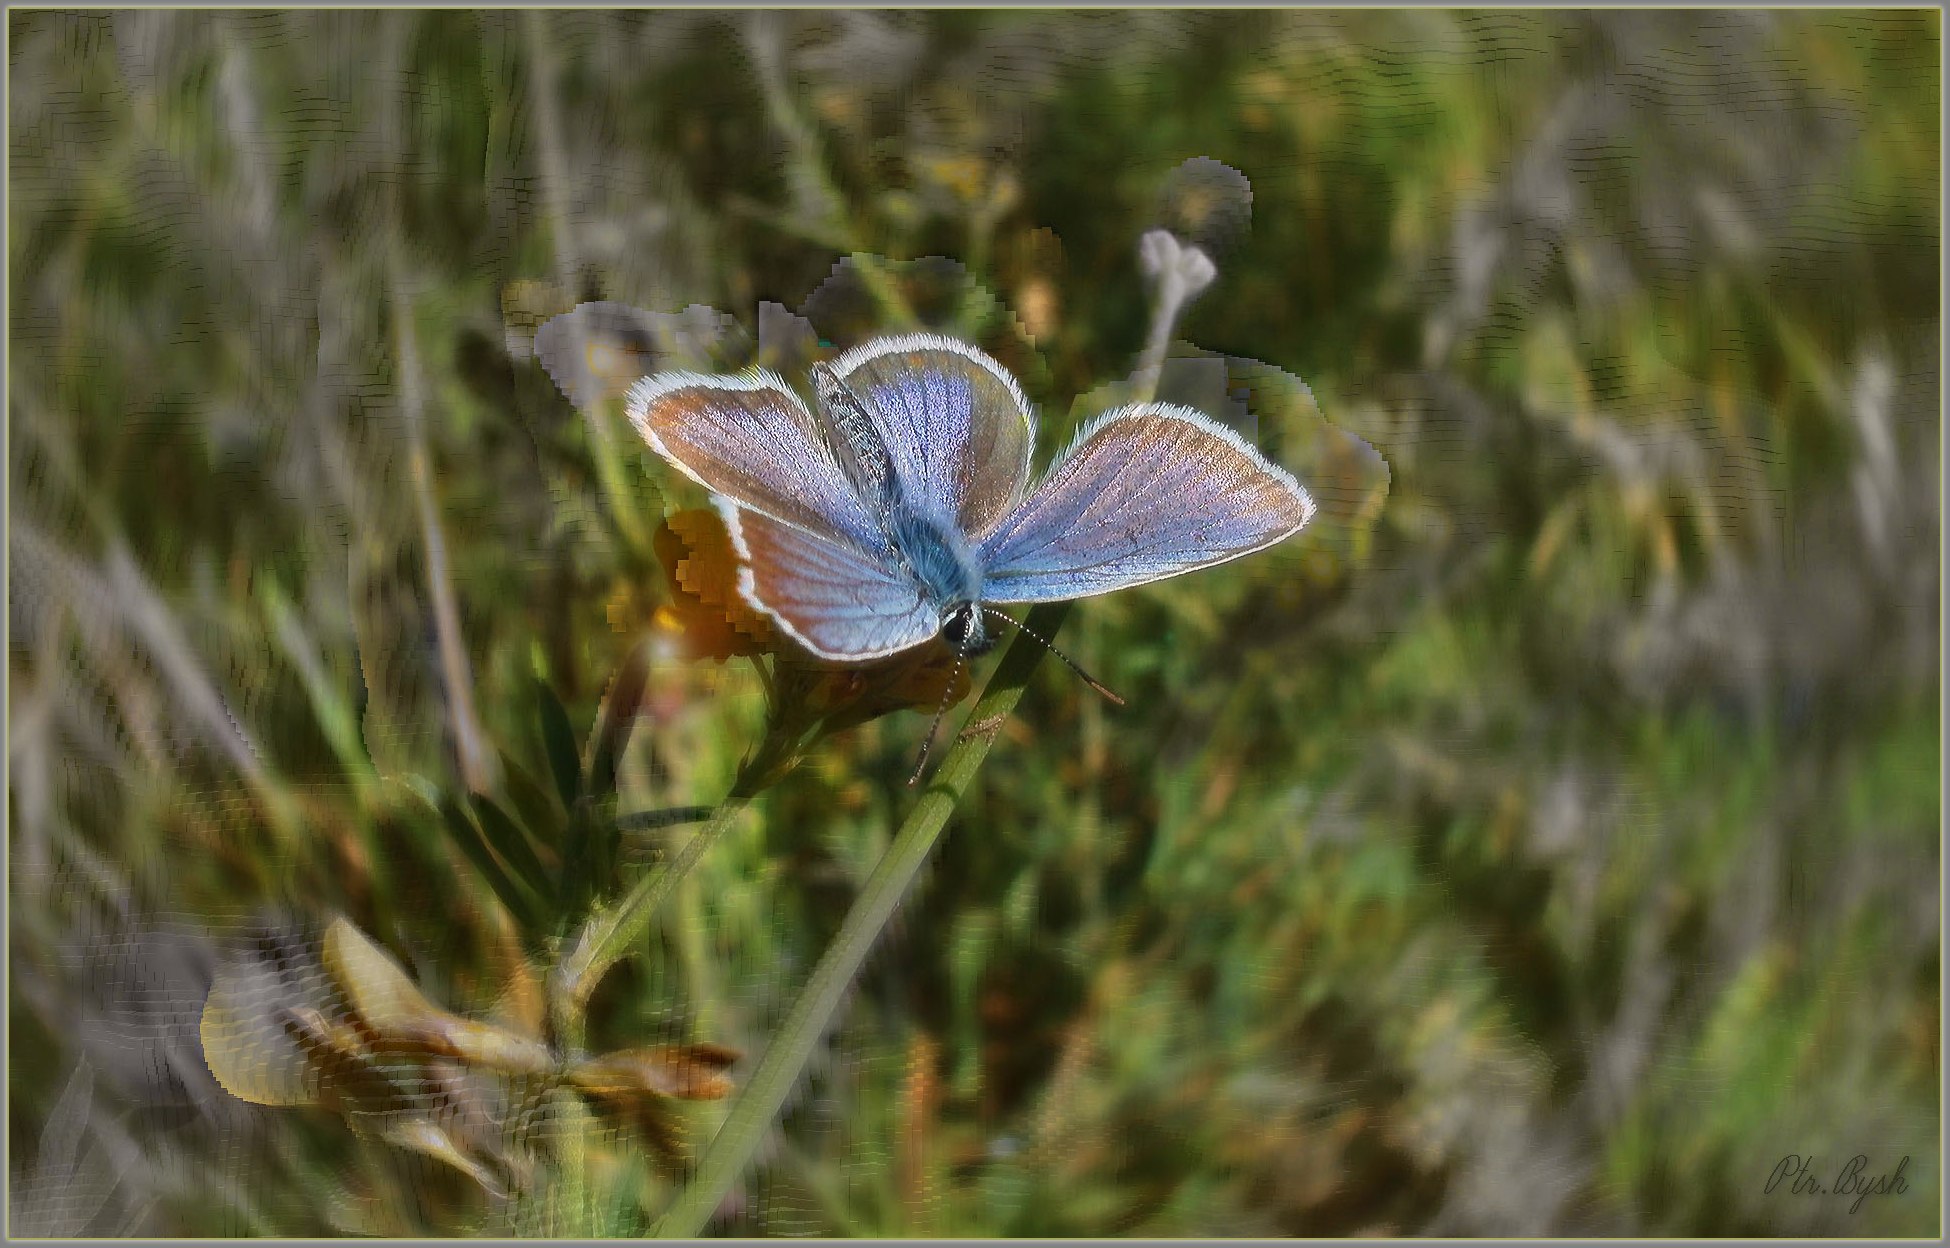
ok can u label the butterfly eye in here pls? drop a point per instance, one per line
(958, 626)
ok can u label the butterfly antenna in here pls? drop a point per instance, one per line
(1088, 679)
(934, 725)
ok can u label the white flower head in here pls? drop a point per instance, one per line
(1181, 269)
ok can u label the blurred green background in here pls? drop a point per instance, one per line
(1552, 851)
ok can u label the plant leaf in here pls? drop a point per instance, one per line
(540, 812)
(559, 740)
(578, 872)
(516, 846)
(521, 902)
(616, 719)
(669, 817)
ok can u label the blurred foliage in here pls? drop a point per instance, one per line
(1551, 852)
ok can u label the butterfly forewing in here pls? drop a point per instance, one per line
(750, 439)
(838, 602)
(1146, 492)
(956, 428)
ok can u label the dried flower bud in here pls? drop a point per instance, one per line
(398, 1018)
(424, 1136)
(690, 1072)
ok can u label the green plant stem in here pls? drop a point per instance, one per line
(812, 1012)
(612, 931)
(655, 820)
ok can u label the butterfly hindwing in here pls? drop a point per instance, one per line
(836, 600)
(1145, 492)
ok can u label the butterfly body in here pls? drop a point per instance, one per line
(922, 537)
(902, 509)
(946, 568)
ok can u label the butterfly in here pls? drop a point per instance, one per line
(899, 508)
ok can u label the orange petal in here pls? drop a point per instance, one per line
(702, 568)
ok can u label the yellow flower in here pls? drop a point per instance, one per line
(706, 616)
(848, 694)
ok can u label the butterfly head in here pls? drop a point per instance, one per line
(961, 625)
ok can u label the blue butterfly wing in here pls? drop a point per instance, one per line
(1145, 492)
(835, 599)
(750, 439)
(956, 430)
